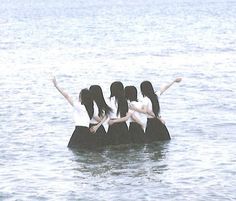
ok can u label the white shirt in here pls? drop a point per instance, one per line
(140, 116)
(95, 113)
(114, 106)
(137, 105)
(81, 117)
(148, 103)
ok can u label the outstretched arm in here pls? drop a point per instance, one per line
(164, 88)
(67, 97)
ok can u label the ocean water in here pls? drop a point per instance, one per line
(97, 42)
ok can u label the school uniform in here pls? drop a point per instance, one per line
(136, 131)
(155, 129)
(98, 138)
(118, 132)
(81, 137)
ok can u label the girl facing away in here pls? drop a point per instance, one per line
(82, 111)
(118, 131)
(155, 128)
(100, 115)
(133, 118)
(136, 126)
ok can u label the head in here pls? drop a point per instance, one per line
(86, 100)
(97, 95)
(131, 93)
(96, 92)
(85, 96)
(117, 89)
(146, 88)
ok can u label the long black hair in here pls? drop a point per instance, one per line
(117, 91)
(131, 93)
(87, 101)
(147, 90)
(97, 95)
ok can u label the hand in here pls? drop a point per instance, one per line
(179, 79)
(93, 129)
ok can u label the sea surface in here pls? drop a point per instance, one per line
(97, 42)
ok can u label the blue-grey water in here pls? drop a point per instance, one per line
(97, 42)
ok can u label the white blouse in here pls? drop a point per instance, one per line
(95, 113)
(148, 103)
(137, 105)
(114, 106)
(80, 114)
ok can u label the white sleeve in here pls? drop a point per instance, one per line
(77, 105)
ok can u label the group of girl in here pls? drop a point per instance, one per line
(121, 119)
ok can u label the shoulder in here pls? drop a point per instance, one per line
(145, 99)
(135, 103)
(112, 101)
(77, 105)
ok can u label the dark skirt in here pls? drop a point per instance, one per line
(99, 138)
(118, 134)
(136, 133)
(81, 138)
(156, 130)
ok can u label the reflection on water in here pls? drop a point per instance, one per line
(130, 160)
(113, 170)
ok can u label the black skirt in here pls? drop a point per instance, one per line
(81, 138)
(99, 138)
(156, 130)
(136, 133)
(118, 134)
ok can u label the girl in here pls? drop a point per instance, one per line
(118, 132)
(155, 129)
(100, 115)
(136, 127)
(83, 111)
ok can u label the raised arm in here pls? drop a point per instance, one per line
(67, 97)
(164, 88)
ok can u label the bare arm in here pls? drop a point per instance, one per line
(122, 119)
(67, 97)
(93, 129)
(98, 119)
(140, 110)
(164, 88)
(137, 120)
(143, 110)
